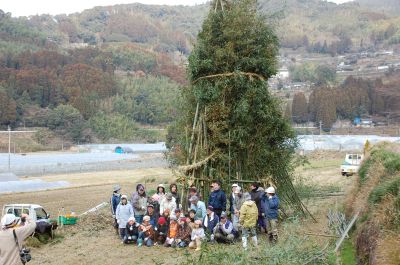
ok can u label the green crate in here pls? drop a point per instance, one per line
(67, 220)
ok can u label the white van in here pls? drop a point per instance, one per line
(35, 211)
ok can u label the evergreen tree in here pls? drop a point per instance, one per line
(299, 108)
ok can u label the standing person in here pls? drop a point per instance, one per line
(173, 188)
(217, 198)
(160, 192)
(209, 222)
(193, 192)
(197, 236)
(237, 204)
(153, 215)
(139, 203)
(199, 207)
(184, 233)
(248, 219)
(232, 198)
(114, 201)
(123, 213)
(154, 200)
(11, 234)
(270, 206)
(168, 203)
(257, 193)
(146, 232)
(224, 231)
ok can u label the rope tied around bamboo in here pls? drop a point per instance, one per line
(250, 75)
(186, 169)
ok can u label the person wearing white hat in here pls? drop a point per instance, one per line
(12, 236)
(123, 213)
(168, 203)
(132, 231)
(270, 206)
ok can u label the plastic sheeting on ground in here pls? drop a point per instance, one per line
(136, 148)
(8, 176)
(30, 185)
(340, 142)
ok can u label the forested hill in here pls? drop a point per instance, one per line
(388, 6)
(174, 28)
(99, 73)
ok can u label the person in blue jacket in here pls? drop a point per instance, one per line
(114, 201)
(270, 206)
(209, 222)
(217, 198)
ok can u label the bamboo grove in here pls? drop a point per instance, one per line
(231, 128)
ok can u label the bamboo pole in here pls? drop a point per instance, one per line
(193, 129)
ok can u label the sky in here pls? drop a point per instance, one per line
(54, 7)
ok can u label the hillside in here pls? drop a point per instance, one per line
(111, 70)
(387, 6)
(174, 28)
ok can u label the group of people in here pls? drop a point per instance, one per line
(159, 219)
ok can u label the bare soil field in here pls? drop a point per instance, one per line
(93, 240)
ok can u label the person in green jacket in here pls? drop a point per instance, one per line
(248, 219)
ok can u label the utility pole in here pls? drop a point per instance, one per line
(9, 142)
(320, 127)
(9, 148)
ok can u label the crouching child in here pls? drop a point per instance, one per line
(132, 231)
(184, 233)
(146, 232)
(197, 236)
(172, 232)
(161, 231)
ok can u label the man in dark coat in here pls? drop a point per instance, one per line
(232, 199)
(114, 201)
(217, 198)
(257, 193)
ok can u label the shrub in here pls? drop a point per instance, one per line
(364, 168)
(391, 187)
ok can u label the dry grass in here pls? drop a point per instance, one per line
(358, 199)
(387, 251)
(88, 189)
(386, 214)
(367, 236)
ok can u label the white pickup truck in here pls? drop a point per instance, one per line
(35, 211)
(351, 164)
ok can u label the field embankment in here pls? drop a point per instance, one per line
(376, 196)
